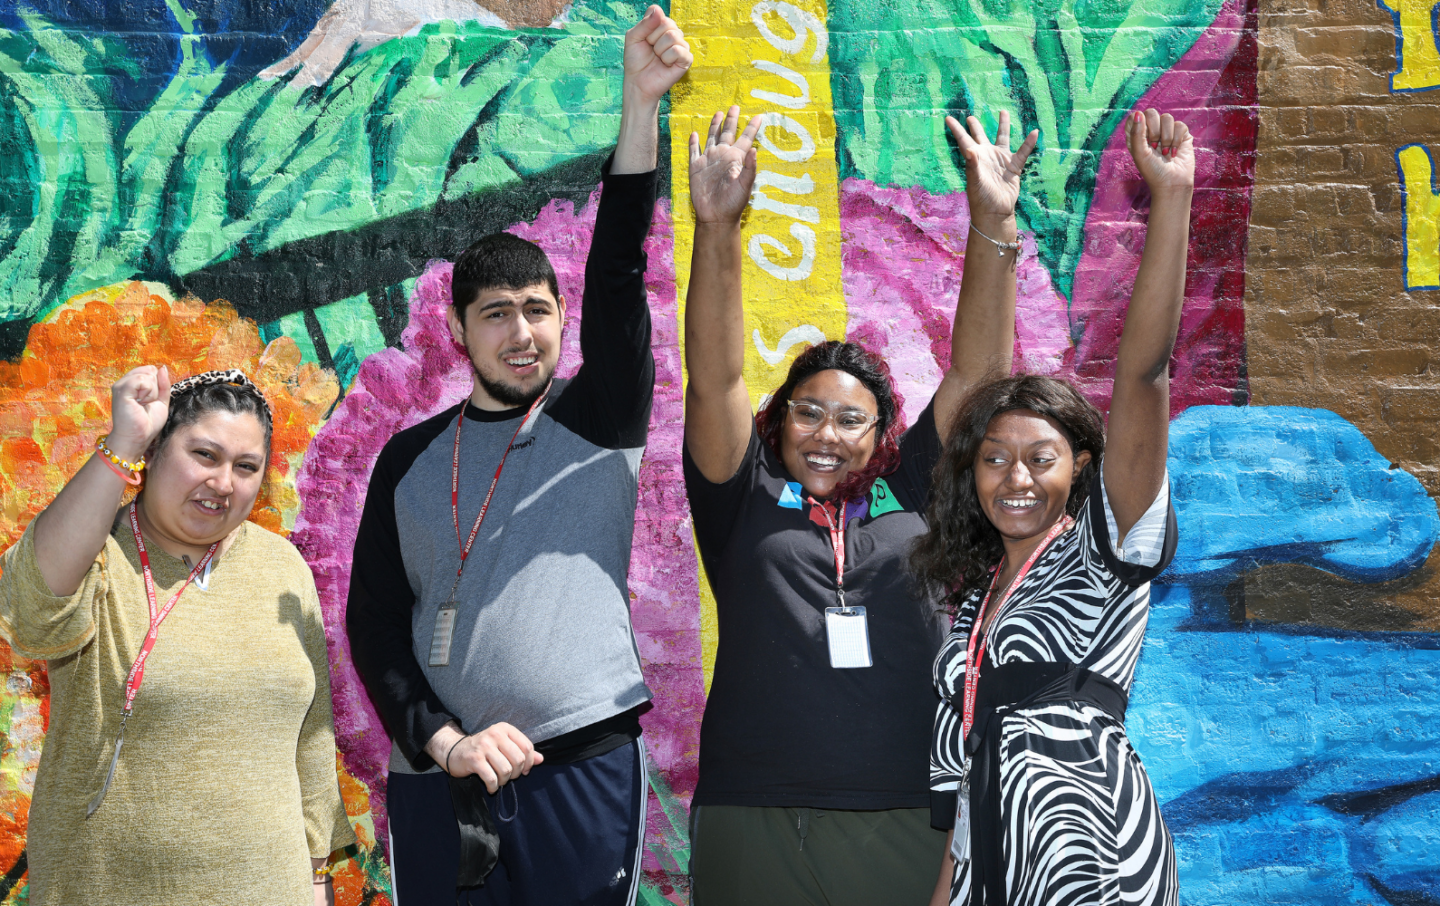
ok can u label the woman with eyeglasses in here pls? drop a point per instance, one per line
(190, 755)
(814, 783)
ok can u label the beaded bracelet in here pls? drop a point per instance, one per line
(322, 874)
(136, 466)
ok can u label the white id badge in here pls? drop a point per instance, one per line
(849, 637)
(440, 642)
(960, 843)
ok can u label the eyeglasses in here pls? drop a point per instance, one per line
(851, 424)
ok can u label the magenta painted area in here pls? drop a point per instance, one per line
(1211, 89)
(903, 250)
(398, 387)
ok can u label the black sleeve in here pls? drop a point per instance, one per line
(714, 507)
(920, 450)
(608, 401)
(377, 615)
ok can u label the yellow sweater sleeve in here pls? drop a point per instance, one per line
(326, 825)
(36, 623)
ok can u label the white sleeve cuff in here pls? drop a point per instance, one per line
(1145, 542)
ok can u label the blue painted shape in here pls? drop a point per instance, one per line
(1280, 484)
(1251, 732)
(1401, 846)
(790, 497)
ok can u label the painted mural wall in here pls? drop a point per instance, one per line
(278, 187)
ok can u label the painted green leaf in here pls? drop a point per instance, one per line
(453, 110)
(1070, 68)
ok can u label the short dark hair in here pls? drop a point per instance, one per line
(870, 370)
(189, 407)
(960, 546)
(499, 261)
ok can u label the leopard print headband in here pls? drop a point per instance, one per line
(228, 376)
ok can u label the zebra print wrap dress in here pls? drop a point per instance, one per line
(1078, 818)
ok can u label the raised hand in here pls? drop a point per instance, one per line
(656, 56)
(992, 171)
(1162, 149)
(722, 176)
(139, 405)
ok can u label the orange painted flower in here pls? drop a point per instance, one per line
(55, 401)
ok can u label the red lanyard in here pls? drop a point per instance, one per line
(455, 483)
(972, 657)
(157, 615)
(837, 543)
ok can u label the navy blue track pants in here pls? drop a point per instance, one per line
(569, 833)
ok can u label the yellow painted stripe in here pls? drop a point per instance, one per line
(769, 57)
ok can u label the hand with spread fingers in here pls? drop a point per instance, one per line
(1163, 150)
(723, 174)
(656, 56)
(992, 170)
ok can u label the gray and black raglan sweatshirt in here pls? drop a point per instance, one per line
(542, 636)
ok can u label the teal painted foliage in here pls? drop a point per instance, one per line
(1070, 68)
(456, 109)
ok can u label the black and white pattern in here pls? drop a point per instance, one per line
(1081, 822)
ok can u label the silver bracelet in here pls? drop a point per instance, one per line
(1002, 246)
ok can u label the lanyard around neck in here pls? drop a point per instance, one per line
(137, 669)
(973, 657)
(836, 522)
(157, 614)
(455, 484)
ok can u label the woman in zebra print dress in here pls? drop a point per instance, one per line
(1048, 541)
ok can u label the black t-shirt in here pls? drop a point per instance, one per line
(782, 727)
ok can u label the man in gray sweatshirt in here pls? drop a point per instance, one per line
(488, 610)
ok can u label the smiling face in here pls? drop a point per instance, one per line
(1024, 469)
(513, 339)
(821, 459)
(203, 482)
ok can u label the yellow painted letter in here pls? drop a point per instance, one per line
(1422, 217)
(1419, 66)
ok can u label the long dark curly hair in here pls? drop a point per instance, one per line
(870, 370)
(961, 547)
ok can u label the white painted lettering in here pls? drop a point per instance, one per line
(805, 333)
(807, 143)
(799, 21)
(789, 75)
(801, 270)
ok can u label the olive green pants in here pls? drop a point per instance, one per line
(750, 856)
